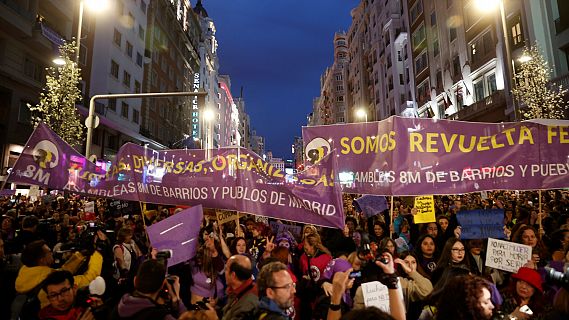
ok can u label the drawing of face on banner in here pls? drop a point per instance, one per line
(46, 154)
(316, 150)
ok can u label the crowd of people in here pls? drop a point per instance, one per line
(58, 262)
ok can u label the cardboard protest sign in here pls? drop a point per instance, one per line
(90, 207)
(376, 295)
(178, 233)
(226, 216)
(507, 256)
(425, 206)
(481, 224)
(279, 227)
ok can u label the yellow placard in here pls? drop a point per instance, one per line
(425, 206)
(226, 216)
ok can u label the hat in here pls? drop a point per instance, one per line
(530, 276)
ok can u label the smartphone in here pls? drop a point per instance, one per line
(355, 274)
(525, 309)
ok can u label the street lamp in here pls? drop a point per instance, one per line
(362, 113)
(93, 5)
(490, 5)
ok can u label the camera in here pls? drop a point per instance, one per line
(163, 255)
(199, 305)
(368, 252)
(556, 277)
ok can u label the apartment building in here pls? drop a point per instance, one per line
(30, 34)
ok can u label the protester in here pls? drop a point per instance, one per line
(242, 297)
(276, 292)
(154, 296)
(525, 290)
(61, 292)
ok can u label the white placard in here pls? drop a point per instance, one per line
(262, 219)
(505, 255)
(484, 194)
(34, 192)
(90, 207)
(376, 295)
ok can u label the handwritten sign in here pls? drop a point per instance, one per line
(425, 206)
(262, 219)
(226, 216)
(376, 295)
(481, 224)
(508, 256)
(90, 207)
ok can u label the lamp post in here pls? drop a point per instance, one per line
(508, 83)
(362, 113)
(94, 5)
(92, 120)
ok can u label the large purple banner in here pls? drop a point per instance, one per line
(415, 156)
(226, 178)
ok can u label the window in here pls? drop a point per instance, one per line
(137, 86)
(433, 18)
(339, 77)
(423, 91)
(419, 36)
(456, 69)
(24, 114)
(401, 80)
(117, 37)
(340, 88)
(481, 46)
(436, 48)
(143, 6)
(112, 104)
(421, 62)
(33, 69)
(135, 116)
(452, 32)
(139, 59)
(114, 69)
(516, 34)
(340, 98)
(416, 10)
(129, 49)
(126, 78)
(124, 110)
(491, 80)
(479, 90)
(439, 80)
(141, 32)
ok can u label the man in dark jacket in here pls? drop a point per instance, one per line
(276, 292)
(241, 291)
(147, 302)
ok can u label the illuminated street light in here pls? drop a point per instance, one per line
(524, 59)
(361, 113)
(59, 61)
(93, 5)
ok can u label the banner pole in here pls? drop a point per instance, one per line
(142, 210)
(391, 219)
(539, 215)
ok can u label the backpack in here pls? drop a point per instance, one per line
(26, 306)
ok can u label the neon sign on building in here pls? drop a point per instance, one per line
(195, 118)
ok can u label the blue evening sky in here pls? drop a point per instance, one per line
(277, 50)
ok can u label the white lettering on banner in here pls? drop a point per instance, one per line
(508, 256)
(376, 295)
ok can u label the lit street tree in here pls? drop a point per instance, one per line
(56, 107)
(542, 100)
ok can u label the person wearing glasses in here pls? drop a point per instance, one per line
(61, 291)
(276, 292)
(453, 255)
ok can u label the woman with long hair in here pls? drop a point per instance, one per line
(207, 266)
(312, 264)
(452, 255)
(527, 235)
(426, 254)
(465, 298)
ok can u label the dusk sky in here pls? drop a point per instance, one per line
(277, 50)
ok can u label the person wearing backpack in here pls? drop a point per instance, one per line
(38, 259)
(154, 297)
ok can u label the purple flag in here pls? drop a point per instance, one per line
(225, 178)
(417, 156)
(178, 233)
(371, 205)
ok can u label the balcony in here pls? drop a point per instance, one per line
(490, 109)
(559, 81)
(16, 20)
